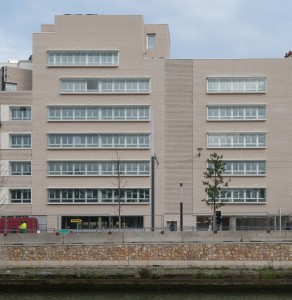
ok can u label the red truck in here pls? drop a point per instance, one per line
(11, 224)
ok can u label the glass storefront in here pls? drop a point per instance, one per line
(204, 223)
(101, 222)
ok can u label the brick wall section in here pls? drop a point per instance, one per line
(141, 254)
(178, 137)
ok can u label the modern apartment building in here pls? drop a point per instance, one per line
(106, 124)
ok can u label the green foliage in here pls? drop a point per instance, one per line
(214, 179)
(214, 182)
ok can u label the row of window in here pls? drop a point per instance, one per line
(236, 140)
(83, 58)
(242, 195)
(215, 112)
(98, 113)
(240, 112)
(94, 85)
(99, 168)
(245, 168)
(85, 168)
(98, 140)
(236, 84)
(98, 196)
(215, 140)
(23, 196)
(85, 140)
(102, 85)
(232, 195)
(85, 113)
(227, 112)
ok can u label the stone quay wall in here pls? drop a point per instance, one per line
(240, 254)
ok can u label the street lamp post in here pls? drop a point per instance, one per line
(181, 207)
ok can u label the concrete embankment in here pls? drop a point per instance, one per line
(132, 249)
(150, 260)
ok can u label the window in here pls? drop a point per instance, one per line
(20, 168)
(20, 140)
(151, 41)
(234, 113)
(106, 113)
(83, 58)
(236, 140)
(10, 87)
(236, 85)
(20, 196)
(249, 168)
(87, 196)
(105, 86)
(20, 113)
(98, 168)
(98, 140)
(243, 195)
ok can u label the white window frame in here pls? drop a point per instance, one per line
(20, 113)
(23, 196)
(105, 85)
(102, 168)
(241, 168)
(10, 87)
(20, 168)
(254, 140)
(21, 142)
(103, 196)
(151, 40)
(83, 58)
(247, 196)
(99, 113)
(98, 140)
(236, 85)
(216, 112)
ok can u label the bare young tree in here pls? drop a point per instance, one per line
(120, 184)
(214, 183)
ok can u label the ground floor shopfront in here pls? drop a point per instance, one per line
(163, 223)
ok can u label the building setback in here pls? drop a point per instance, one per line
(102, 94)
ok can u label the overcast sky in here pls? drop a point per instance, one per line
(198, 28)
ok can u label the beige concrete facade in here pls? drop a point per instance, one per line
(137, 73)
(127, 35)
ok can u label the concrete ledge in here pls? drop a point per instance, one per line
(147, 237)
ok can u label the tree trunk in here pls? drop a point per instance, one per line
(214, 220)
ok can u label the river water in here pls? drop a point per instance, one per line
(157, 295)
